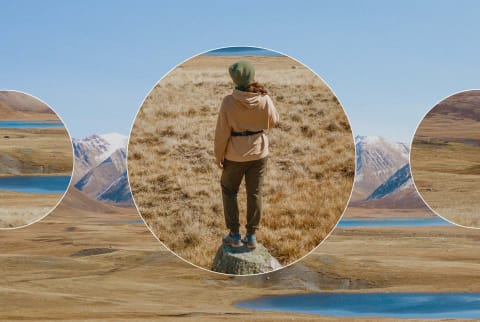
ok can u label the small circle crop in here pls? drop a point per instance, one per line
(241, 160)
(445, 158)
(36, 159)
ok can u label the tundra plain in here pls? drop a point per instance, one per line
(445, 158)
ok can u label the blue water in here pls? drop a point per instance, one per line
(242, 51)
(394, 305)
(35, 184)
(29, 124)
(392, 222)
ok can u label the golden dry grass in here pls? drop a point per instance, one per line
(35, 151)
(33, 207)
(447, 177)
(445, 158)
(175, 181)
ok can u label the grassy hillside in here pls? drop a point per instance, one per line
(35, 151)
(445, 158)
(20, 106)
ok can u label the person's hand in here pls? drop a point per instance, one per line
(220, 165)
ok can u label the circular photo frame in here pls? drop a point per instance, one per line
(241, 160)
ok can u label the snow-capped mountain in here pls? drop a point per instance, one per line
(94, 149)
(377, 160)
(383, 178)
(100, 168)
(100, 177)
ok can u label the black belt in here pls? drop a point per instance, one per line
(245, 133)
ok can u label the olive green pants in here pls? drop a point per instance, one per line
(232, 175)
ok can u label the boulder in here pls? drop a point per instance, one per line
(244, 261)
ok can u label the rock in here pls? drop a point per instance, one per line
(244, 261)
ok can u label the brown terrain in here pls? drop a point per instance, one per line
(20, 106)
(175, 181)
(39, 151)
(445, 158)
(34, 207)
(406, 200)
(88, 262)
(30, 151)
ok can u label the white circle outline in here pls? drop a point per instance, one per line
(339, 218)
(410, 160)
(73, 161)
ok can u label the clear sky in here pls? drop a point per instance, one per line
(95, 61)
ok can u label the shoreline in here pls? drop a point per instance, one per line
(151, 283)
(43, 174)
(277, 305)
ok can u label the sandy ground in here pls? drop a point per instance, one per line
(79, 265)
(35, 206)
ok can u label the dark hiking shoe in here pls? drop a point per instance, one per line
(233, 240)
(251, 241)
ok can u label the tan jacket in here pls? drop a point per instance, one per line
(244, 111)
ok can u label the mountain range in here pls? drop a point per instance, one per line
(383, 178)
(100, 168)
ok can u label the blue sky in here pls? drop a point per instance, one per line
(94, 61)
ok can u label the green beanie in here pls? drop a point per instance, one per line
(242, 73)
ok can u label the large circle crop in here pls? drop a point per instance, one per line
(175, 180)
(36, 159)
(445, 158)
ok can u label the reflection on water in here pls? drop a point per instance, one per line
(392, 222)
(396, 305)
(35, 184)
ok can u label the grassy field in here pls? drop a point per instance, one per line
(175, 181)
(445, 158)
(33, 207)
(38, 151)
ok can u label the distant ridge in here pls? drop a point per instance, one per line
(100, 168)
(20, 106)
(75, 199)
(377, 160)
(383, 178)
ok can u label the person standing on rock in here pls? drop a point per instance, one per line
(241, 149)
